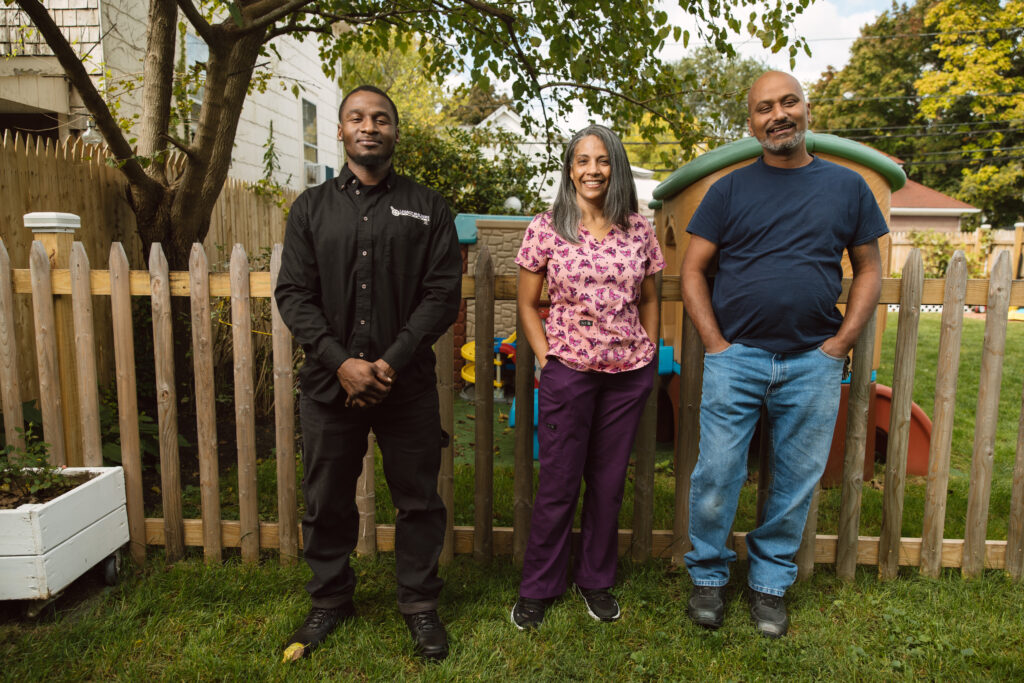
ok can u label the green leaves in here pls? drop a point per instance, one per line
(453, 162)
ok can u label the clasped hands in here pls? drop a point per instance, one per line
(366, 383)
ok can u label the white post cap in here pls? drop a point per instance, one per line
(52, 221)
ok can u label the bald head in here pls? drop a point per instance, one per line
(773, 82)
(778, 118)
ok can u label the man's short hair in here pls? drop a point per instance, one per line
(369, 88)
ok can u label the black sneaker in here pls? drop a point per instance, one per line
(428, 634)
(318, 624)
(769, 614)
(707, 606)
(601, 604)
(528, 613)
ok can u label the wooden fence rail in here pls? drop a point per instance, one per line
(116, 286)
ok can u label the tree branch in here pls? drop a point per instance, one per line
(608, 91)
(92, 99)
(264, 13)
(485, 8)
(188, 151)
(293, 28)
(197, 20)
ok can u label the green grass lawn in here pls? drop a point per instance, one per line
(194, 622)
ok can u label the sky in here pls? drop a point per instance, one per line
(830, 27)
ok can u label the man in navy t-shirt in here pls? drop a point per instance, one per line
(773, 337)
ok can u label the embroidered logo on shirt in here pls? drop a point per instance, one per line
(586, 323)
(411, 214)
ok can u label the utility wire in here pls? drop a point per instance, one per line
(893, 36)
(880, 98)
(951, 124)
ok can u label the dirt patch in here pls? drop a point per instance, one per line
(20, 492)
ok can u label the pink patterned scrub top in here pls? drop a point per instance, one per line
(594, 287)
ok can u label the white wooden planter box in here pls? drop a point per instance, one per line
(44, 547)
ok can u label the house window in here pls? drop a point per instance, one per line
(309, 131)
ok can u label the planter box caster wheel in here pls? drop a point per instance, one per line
(111, 566)
(33, 608)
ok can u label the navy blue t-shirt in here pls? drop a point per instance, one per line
(780, 235)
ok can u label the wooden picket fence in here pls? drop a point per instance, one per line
(115, 287)
(37, 174)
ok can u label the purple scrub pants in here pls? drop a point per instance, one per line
(586, 426)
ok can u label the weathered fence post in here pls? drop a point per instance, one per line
(85, 357)
(522, 485)
(1015, 532)
(1017, 254)
(206, 402)
(643, 472)
(808, 543)
(56, 231)
(366, 500)
(986, 417)
(166, 403)
(445, 350)
(943, 414)
(46, 354)
(10, 390)
(284, 423)
(483, 394)
(688, 439)
(899, 420)
(245, 429)
(857, 416)
(127, 401)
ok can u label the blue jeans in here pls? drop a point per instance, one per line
(801, 394)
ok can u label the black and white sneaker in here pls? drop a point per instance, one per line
(528, 613)
(601, 604)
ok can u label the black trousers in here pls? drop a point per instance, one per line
(334, 442)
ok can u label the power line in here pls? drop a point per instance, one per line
(893, 36)
(952, 134)
(965, 152)
(962, 162)
(843, 98)
(951, 124)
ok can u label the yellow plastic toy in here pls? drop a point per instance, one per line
(468, 371)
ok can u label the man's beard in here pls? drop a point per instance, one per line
(786, 145)
(370, 159)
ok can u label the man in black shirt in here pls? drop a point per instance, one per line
(370, 278)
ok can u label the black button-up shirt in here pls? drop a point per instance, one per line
(369, 272)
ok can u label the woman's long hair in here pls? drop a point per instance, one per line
(620, 200)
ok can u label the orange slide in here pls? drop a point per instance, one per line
(879, 413)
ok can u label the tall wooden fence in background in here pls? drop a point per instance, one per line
(113, 288)
(38, 175)
(970, 243)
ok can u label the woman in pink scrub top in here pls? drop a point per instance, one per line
(598, 257)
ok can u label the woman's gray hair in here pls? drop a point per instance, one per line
(620, 200)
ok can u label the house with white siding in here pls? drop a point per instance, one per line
(36, 97)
